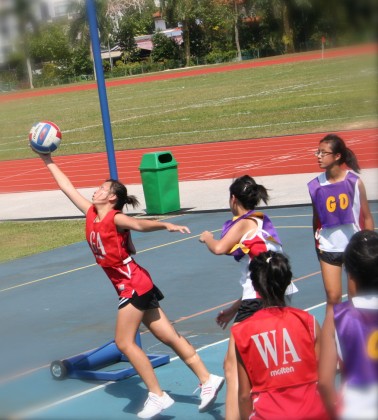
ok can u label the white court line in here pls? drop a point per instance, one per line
(321, 304)
(34, 411)
(37, 410)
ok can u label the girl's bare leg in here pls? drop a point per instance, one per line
(332, 279)
(231, 374)
(158, 323)
(128, 321)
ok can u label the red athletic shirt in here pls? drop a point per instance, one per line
(277, 349)
(107, 244)
(109, 247)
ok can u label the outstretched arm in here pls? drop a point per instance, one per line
(222, 246)
(143, 225)
(65, 184)
(328, 364)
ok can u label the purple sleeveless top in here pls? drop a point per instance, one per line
(334, 202)
(268, 230)
(357, 330)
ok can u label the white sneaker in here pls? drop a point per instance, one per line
(155, 405)
(209, 391)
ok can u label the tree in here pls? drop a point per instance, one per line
(117, 9)
(22, 11)
(81, 63)
(182, 11)
(79, 28)
(164, 48)
(234, 9)
(199, 45)
(138, 16)
(288, 36)
(218, 25)
(137, 20)
(50, 44)
(126, 40)
(281, 14)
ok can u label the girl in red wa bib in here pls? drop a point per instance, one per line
(108, 236)
(277, 350)
(340, 209)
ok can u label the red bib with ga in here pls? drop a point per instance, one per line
(107, 244)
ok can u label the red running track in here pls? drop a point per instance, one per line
(206, 161)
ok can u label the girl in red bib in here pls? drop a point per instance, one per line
(277, 350)
(108, 235)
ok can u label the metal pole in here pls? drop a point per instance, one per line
(93, 28)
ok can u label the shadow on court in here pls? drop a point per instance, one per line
(59, 304)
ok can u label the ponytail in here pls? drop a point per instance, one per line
(338, 145)
(351, 161)
(132, 200)
(271, 275)
(248, 192)
(123, 198)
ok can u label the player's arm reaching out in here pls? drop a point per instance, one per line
(123, 221)
(224, 245)
(65, 184)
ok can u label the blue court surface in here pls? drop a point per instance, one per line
(59, 304)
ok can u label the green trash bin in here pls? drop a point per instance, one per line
(160, 182)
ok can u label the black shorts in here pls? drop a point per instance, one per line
(332, 258)
(247, 308)
(149, 300)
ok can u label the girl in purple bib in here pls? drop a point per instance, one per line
(248, 234)
(350, 337)
(340, 209)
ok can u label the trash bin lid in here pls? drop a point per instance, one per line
(158, 160)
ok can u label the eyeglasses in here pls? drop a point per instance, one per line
(322, 154)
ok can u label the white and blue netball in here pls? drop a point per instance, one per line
(45, 137)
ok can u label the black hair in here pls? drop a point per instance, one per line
(338, 145)
(123, 198)
(271, 275)
(248, 192)
(361, 260)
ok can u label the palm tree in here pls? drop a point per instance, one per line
(79, 28)
(182, 11)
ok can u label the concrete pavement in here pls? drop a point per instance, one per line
(284, 190)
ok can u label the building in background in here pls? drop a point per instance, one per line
(144, 42)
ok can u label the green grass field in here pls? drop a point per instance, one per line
(303, 97)
(43, 235)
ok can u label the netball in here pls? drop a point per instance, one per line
(45, 137)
